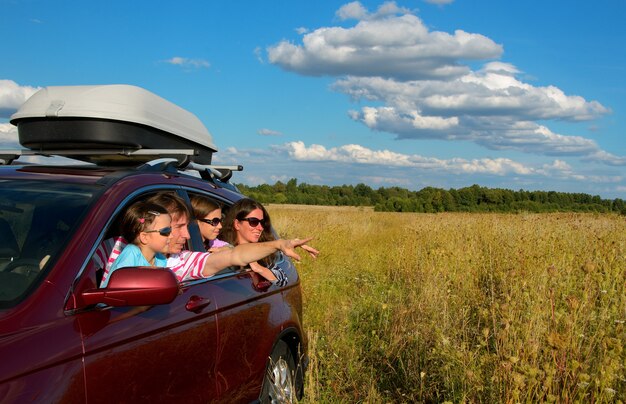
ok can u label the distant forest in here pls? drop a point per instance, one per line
(431, 200)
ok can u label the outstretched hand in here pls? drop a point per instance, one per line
(288, 247)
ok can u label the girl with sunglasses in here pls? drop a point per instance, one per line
(208, 214)
(148, 226)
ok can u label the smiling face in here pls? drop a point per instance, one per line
(246, 233)
(180, 233)
(208, 231)
(156, 238)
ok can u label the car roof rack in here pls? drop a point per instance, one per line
(121, 156)
(176, 160)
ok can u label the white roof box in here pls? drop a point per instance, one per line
(108, 117)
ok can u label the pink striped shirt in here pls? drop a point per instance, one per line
(186, 265)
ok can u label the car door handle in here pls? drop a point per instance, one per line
(196, 304)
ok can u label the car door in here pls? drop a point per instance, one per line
(246, 330)
(161, 353)
(246, 333)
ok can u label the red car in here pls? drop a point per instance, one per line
(145, 337)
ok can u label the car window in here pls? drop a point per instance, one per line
(36, 219)
(194, 229)
(110, 246)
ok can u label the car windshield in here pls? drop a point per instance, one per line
(36, 219)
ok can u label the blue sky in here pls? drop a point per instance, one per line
(449, 93)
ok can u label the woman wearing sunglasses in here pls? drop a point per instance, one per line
(148, 226)
(208, 214)
(247, 221)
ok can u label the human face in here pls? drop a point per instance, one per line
(180, 233)
(208, 231)
(247, 233)
(157, 237)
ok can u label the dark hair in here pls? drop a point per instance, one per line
(202, 206)
(174, 204)
(239, 211)
(138, 217)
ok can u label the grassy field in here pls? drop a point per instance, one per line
(488, 308)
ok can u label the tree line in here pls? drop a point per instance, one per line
(431, 200)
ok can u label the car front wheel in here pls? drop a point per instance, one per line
(279, 384)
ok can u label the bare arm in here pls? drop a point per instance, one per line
(263, 271)
(244, 254)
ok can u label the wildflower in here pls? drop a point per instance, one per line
(610, 391)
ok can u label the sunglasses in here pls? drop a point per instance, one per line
(213, 222)
(253, 221)
(165, 231)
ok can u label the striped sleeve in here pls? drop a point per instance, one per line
(281, 276)
(112, 248)
(188, 265)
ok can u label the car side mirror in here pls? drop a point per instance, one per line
(135, 286)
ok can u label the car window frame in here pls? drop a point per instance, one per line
(123, 204)
(198, 245)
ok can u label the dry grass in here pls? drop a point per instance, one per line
(462, 307)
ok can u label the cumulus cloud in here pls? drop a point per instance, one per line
(12, 96)
(269, 132)
(356, 11)
(490, 107)
(390, 43)
(421, 86)
(357, 154)
(355, 163)
(189, 63)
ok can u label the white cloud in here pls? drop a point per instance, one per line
(12, 96)
(488, 93)
(356, 154)
(188, 63)
(439, 2)
(422, 88)
(8, 136)
(353, 163)
(269, 132)
(607, 158)
(258, 52)
(356, 11)
(389, 43)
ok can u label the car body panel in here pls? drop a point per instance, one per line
(210, 344)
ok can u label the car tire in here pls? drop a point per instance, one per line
(281, 383)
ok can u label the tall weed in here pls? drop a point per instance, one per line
(459, 307)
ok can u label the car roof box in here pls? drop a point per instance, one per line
(108, 117)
